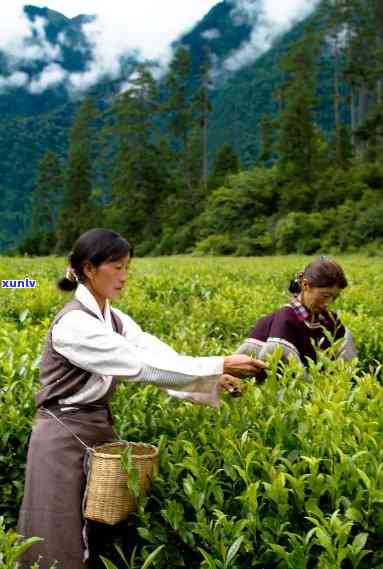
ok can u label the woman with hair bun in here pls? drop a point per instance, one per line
(302, 325)
(90, 346)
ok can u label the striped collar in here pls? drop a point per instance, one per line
(312, 320)
(300, 310)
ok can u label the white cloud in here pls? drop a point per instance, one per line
(144, 27)
(51, 76)
(16, 79)
(245, 11)
(25, 41)
(211, 34)
(269, 19)
(13, 25)
(117, 33)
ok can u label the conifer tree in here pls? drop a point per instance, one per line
(179, 109)
(202, 108)
(334, 12)
(361, 68)
(139, 175)
(267, 140)
(225, 162)
(45, 205)
(297, 141)
(77, 214)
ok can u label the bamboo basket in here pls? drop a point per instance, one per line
(107, 496)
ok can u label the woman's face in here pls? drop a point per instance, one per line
(318, 299)
(108, 279)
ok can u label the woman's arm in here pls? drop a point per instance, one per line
(275, 331)
(88, 344)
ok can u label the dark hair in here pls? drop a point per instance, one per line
(95, 246)
(320, 274)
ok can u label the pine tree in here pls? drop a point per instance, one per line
(201, 110)
(225, 162)
(45, 205)
(267, 140)
(180, 110)
(333, 12)
(354, 30)
(297, 140)
(361, 71)
(139, 175)
(77, 214)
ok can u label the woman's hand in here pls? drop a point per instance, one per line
(240, 364)
(230, 384)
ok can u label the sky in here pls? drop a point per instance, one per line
(147, 27)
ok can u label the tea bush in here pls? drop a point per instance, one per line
(288, 476)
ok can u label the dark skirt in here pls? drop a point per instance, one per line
(55, 483)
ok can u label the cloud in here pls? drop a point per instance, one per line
(146, 28)
(16, 79)
(114, 34)
(14, 25)
(26, 41)
(51, 76)
(269, 19)
(211, 34)
(23, 41)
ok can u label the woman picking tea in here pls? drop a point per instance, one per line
(91, 345)
(305, 323)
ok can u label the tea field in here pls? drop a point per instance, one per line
(288, 476)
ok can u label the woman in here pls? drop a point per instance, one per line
(88, 346)
(305, 323)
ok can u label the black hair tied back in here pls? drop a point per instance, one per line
(295, 286)
(66, 285)
(320, 274)
(70, 281)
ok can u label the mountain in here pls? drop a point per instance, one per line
(217, 32)
(34, 122)
(58, 34)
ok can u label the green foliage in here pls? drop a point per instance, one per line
(139, 176)
(139, 161)
(46, 201)
(76, 214)
(297, 145)
(300, 233)
(225, 162)
(234, 209)
(287, 476)
(132, 563)
(267, 140)
(12, 547)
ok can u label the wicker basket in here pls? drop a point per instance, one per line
(108, 498)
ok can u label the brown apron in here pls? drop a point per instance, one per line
(55, 483)
(55, 476)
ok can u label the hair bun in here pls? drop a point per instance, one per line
(295, 286)
(66, 285)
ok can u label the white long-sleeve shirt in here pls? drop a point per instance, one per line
(91, 344)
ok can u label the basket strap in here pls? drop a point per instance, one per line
(49, 412)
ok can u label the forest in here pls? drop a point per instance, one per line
(144, 166)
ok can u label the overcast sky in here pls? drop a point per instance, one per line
(148, 26)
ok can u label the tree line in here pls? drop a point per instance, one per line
(141, 164)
